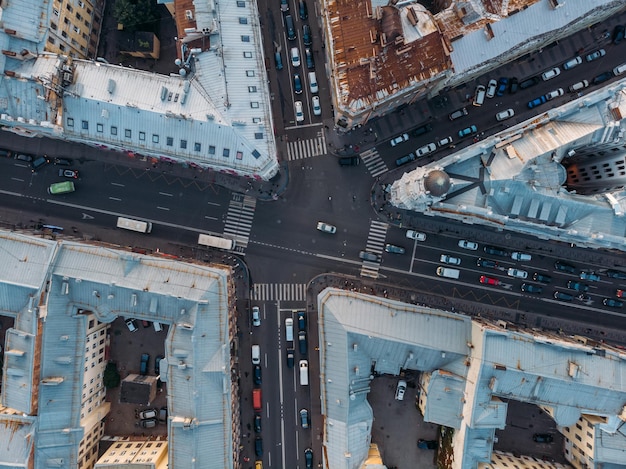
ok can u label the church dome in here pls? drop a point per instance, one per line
(437, 183)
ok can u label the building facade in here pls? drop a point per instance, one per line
(75, 27)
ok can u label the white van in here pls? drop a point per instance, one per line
(289, 329)
(579, 86)
(479, 96)
(304, 373)
(619, 69)
(447, 272)
(134, 225)
(295, 57)
(157, 326)
(313, 82)
(256, 354)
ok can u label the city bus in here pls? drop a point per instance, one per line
(61, 188)
(134, 225)
(216, 242)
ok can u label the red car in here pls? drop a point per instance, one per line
(489, 280)
(620, 294)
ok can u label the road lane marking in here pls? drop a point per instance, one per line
(163, 208)
(166, 194)
(115, 198)
(118, 184)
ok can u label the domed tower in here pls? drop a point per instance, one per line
(420, 188)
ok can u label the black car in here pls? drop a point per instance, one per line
(157, 364)
(543, 438)
(602, 77)
(349, 161)
(494, 251)
(290, 358)
(308, 55)
(616, 274)
(578, 286)
(405, 159)
(302, 343)
(530, 288)
(559, 295)
(513, 85)
(257, 423)
(424, 129)
(257, 374)
(39, 162)
(480, 262)
(426, 444)
(564, 267)
(543, 278)
(62, 162)
(369, 256)
(529, 82)
(618, 34)
(612, 302)
(306, 35)
(304, 13)
(301, 320)
(258, 446)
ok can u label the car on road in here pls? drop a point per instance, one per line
(299, 111)
(446, 259)
(22, 157)
(517, 273)
(306, 35)
(308, 458)
(620, 293)
(554, 94)
(591, 276)
(565, 267)
(422, 130)
(258, 446)
(256, 316)
(543, 438)
(602, 77)
(465, 244)
(513, 85)
(494, 251)
(68, 173)
(468, 131)
(571, 63)
(458, 114)
(492, 86)
(584, 298)
(297, 84)
(303, 345)
(426, 444)
(426, 149)
(148, 414)
(616, 274)
(543, 278)
(405, 159)
(290, 358)
(618, 34)
(578, 286)
(595, 55)
(349, 161)
(63, 162)
(559, 295)
(284, 5)
(257, 423)
(369, 256)
(304, 418)
(400, 390)
(256, 373)
(530, 288)
(393, 249)
(550, 74)
(301, 320)
(504, 115)
(444, 142)
(480, 262)
(520, 256)
(489, 280)
(326, 228)
(308, 56)
(612, 302)
(317, 109)
(532, 81)
(399, 139)
(502, 85)
(537, 102)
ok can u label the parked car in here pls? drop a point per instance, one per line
(405, 159)
(618, 34)
(422, 130)
(613, 303)
(602, 77)
(530, 288)
(480, 262)
(308, 458)
(564, 267)
(616, 274)
(494, 251)
(502, 85)
(157, 364)
(446, 259)
(532, 81)
(416, 235)
(558, 295)
(143, 367)
(458, 114)
(571, 63)
(465, 244)
(257, 423)
(148, 414)
(543, 278)
(258, 446)
(580, 85)
(400, 390)
(326, 228)
(489, 280)
(504, 115)
(257, 374)
(595, 55)
(554, 94)
(23, 157)
(537, 102)
(131, 324)
(513, 85)
(163, 414)
(149, 423)
(399, 139)
(543, 438)
(304, 418)
(468, 131)
(550, 74)
(426, 149)
(491, 88)
(578, 286)
(393, 249)
(426, 444)
(63, 162)
(317, 109)
(444, 142)
(517, 273)
(591, 276)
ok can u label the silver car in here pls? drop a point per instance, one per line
(326, 228)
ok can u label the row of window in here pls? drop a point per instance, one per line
(169, 141)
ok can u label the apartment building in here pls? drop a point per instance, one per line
(75, 27)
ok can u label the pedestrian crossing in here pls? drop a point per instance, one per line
(239, 219)
(301, 149)
(279, 292)
(373, 162)
(376, 244)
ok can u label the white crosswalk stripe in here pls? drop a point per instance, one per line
(279, 292)
(239, 219)
(375, 244)
(301, 149)
(374, 163)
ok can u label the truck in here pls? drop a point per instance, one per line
(448, 272)
(216, 242)
(304, 373)
(134, 225)
(289, 330)
(256, 399)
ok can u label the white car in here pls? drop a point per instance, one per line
(550, 74)
(450, 260)
(416, 235)
(503, 115)
(299, 112)
(521, 256)
(317, 110)
(426, 149)
(554, 94)
(256, 316)
(517, 273)
(492, 86)
(326, 228)
(572, 63)
(399, 139)
(465, 244)
(400, 390)
(444, 141)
